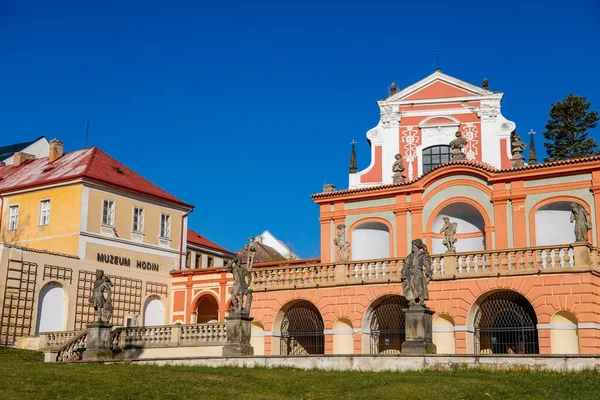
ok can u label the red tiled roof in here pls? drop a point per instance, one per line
(196, 238)
(91, 164)
(472, 163)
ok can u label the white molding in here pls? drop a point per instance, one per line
(588, 325)
(89, 237)
(442, 329)
(338, 331)
(558, 327)
(464, 328)
(439, 76)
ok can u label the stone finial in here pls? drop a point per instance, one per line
(456, 146)
(532, 154)
(328, 188)
(517, 148)
(353, 164)
(56, 150)
(398, 169)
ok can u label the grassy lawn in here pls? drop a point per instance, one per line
(23, 375)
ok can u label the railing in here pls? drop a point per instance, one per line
(475, 264)
(71, 348)
(202, 334)
(213, 334)
(53, 340)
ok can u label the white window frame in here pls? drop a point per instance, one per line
(41, 211)
(167, 231)
(110, 218)
(10, 226)
(140, 221)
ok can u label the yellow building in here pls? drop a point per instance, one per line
(74, 213)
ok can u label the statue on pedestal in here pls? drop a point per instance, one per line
(456, 146)
(582, 225)
(416, 274)
(251, 249)
(398, 169)
(343, 246)
(449, 230)
(241, 287)
(517, 148)
(100, 300)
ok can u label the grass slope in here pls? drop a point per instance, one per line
(23, 375)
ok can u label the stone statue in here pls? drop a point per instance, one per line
(343, 246)
(101, 295)
(517, 148)
(485, 84)
(456, 146)
(393, 88)
(416, 274)
(398, 169)
(449, 230)
(251, 249)
(582, 222)
(241, 287)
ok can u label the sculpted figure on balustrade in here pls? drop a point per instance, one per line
(241, 287)
(582, 222)
(416, 274)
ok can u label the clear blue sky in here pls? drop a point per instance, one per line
(244, 110)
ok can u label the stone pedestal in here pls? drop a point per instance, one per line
(238, 336)
(97, 343)
(418, 323)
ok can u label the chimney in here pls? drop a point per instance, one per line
(56, 150)
(328, 188)
(2, 164)
(21, 158)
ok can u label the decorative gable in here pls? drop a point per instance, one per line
(439, 89)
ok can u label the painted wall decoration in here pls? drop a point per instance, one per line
(410, 139)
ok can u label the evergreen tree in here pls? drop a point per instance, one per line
(567, 129)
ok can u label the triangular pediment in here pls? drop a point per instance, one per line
(437, 86)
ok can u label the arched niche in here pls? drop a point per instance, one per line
(443, 334)
(257, 338)
(207, 309)
(553, 224)
(470, 232)
(153, 312)
(370, 240)
(51, 314)
(343, 338)
(564, 335)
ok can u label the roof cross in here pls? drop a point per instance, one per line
(352, 142)
(437, 55)
(531, 132)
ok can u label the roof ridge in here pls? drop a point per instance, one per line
(87, 167)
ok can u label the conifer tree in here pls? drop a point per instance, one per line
(567, 129)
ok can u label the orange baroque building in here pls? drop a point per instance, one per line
(517, 280)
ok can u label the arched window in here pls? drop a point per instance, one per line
(553, 224)
(302, 330)
(387, 325)
(434, 156)
(505, 323)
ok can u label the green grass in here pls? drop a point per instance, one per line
(23, 375)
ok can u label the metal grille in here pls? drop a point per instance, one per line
(387, 325)
(157, 288)
(302, 330)
(126, 299)
(56, 272)
(19, 297)
(505, 323)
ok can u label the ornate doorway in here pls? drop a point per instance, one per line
(302, 330)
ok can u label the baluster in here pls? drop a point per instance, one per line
(566, 258)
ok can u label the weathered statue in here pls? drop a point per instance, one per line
(416, 274)
(456, 146)
(517, 148)
(101, 294)
(251, 249)
(343, 246)
(398, 169)
(582, 222)
(241, 287)
(449, 230)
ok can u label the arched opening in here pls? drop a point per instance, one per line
(435, 155)
(153, 312)
(207, 310)
(443, 334)
(553, 224)
(343, 338)
(564, 336)
(51, 308)
(257, 339)
(505, 323)
(302, 330)
(386, 322)
(470, 229)
(370, 240)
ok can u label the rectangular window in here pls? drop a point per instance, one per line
(198, 260)
(108, 213)
(165, 226)
(13, 218)
(210, 262)
(138, 219)
(44, 212)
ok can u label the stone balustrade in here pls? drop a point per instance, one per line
(475, 264)
(212, 334)
(69, 351)
(54, 340)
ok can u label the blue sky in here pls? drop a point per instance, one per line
(245, 110)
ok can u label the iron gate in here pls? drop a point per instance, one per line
(505, 323)
(302, 330)
(387, 325)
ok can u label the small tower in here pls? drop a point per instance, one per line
(353, 166)
(532, 155)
